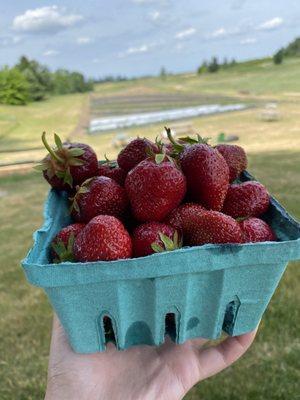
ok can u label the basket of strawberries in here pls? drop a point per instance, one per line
(172, 238)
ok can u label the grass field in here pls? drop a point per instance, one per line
(270, 370)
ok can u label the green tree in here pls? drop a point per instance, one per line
(293, 49)
(163, 73)
(38, 76)
(278, 57)
(213, 66)
(70, 82)
(14, 87)
(203, 68)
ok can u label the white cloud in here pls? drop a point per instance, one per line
(143, 48)
(154, 15)
(48, 19)
(186, 33)
(221, 32)
(84, 40)
(50, 53)
(271, 24)
(248, 41)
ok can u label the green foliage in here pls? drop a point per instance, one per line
(203, 68)
(14, 87)
(163, 73)
(34, 82)
(213, 66)
(38, 77)
(293, 49)
(278, 57)
(70, 82)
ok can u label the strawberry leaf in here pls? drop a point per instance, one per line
(60, 174)
(40, 167)
(75, 206)
(68, 177)
(188, 139)
(58, 141)
(76, 152)
(159, 158)
(83, 189)
(168, 243)
(157, 248)
(175, 238)
(63, 253)
(75, 162)
(203, 140)
(71, 243)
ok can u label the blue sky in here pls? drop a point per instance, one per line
(137, 37)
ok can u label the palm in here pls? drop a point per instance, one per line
(143, 372)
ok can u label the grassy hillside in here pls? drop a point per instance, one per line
(270, 370)
(21, 126)
(258, 77)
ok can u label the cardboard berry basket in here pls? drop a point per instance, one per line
(188, 293)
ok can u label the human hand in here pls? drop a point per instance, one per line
(167, 372)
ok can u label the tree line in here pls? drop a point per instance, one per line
(214, 65)
(292, 50)
(29, 81)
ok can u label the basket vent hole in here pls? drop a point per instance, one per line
(109, 334)
(170, 326)
(231, 312)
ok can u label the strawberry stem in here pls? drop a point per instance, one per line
(50, 150)
(178, 147)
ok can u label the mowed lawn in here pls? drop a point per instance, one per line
(270, 370)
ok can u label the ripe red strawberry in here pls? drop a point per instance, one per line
(154, 237)
(69, 164)
(214, 227)
(256, 230)
(99, 195)
(248, 199)
(62, 244)
(135, 152)
(112, 171)
(103, 238)
(154, 189)
(183, 216)
(235, 157)
(205, 169)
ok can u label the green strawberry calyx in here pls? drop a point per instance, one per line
(159, 156)
(63, 252)
(84, 188)
(168, 244)
(178, 146)
(107, 162)
(61, 159)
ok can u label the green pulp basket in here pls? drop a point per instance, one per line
(203, 290)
